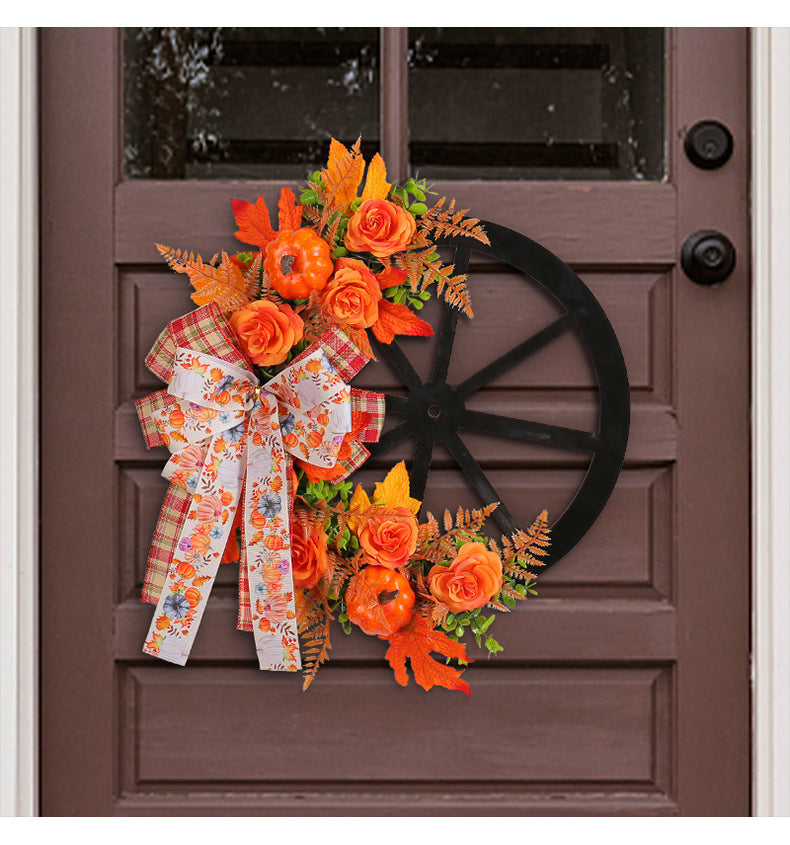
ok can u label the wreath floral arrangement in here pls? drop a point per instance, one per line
(264, 430)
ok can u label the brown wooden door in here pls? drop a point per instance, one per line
(623, 688)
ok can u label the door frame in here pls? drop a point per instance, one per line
(19, 246)
(19, 620)
(770, 411)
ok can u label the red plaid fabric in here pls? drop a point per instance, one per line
(146, 407)
(207, 330)
(372, 404)
(168, 528)
(204, 330)
(343, 355)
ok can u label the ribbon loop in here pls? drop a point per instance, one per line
(231, 438)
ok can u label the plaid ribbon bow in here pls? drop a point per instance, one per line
(231, 440)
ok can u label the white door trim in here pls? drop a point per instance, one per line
(19, 411)
(18, 423)
(771, 418)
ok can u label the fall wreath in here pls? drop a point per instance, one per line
(264, 430)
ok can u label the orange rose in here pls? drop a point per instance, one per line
(308, 554)
(380, 227)
(267, 331)
(352, 295)
(389, 540)
(470, 580)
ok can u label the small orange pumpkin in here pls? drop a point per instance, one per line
(298, 262)
(273, 542)
(176, 418)
(192, 595)
(379, 600)
(185, 570)
(315, 439)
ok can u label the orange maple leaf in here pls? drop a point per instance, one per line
(254, 221)
(397, 318)
(416, 641)
(376, 185)
(255, 225)
(290, 211)
(394, 491)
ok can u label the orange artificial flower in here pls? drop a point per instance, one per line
(388, 540)
(352, 295)
(380, 227)
(472, 579)
(267, 331)
(308, 554)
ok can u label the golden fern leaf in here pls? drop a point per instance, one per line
(253, 276)
(447, 222)
(422, 271)
(439, 613)
(428, 531)
(314, 620)
(224, 284)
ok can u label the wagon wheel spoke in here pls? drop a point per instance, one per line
(390, 438)
(516, 355)
(444, 346)
(396, 404)
(418, 476)
(480, 483)
(544, 435)
(400, 363)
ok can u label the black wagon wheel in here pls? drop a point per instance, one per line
(435, 411)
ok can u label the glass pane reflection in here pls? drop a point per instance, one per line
(245, 103)
(521, 103)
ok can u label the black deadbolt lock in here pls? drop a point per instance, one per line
(707, 257)
(708, 144)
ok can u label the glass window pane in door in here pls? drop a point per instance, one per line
(540, 103)
(203, 103)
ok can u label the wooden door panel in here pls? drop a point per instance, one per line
(619, 717)
(583, 222)
(618, 683)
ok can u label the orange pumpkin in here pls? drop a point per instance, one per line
(298, 262)
(185, 570)
(315, 439)
(192, 595)
(176, 418)
(379, 600)
(273, 542)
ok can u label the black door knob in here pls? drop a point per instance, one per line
(708, 144)
(707, 257)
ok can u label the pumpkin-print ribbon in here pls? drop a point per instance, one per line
(230, 439)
